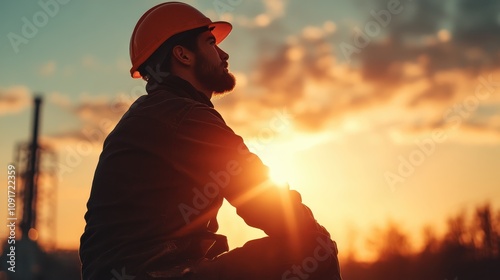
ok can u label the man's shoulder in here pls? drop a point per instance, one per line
(170, 109)
(162, 106)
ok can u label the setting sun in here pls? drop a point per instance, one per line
(278, 175)
(280, 163)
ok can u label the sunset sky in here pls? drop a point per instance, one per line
(374, 111)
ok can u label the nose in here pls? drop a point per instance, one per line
(222, 54)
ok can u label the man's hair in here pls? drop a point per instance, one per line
(160, 61)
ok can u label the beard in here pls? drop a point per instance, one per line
(214, 77)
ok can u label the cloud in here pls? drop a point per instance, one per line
(272, 11)
(275, 8)
(280, 78)
(452, 61)
(89, 61)
(476, 21)
(48, 69)
(317, 32)
(479, 134)
(424, 66)
(468, 42)
(466, 132)
(302, 75)
(14, 99)
(60, 100)
(98, 116)
(97, 108)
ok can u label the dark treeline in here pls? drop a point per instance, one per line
(470, 249)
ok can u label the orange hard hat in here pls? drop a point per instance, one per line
(163, 21)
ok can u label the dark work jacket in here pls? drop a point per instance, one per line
(161, 178)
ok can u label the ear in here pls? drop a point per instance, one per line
(182, 55)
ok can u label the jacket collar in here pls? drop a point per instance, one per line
(179, 87)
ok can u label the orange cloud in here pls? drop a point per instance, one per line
(47, 69)
(404, 83)
(14, 99)
(98, 116)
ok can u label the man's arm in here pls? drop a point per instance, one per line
(218, 160)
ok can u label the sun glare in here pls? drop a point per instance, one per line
(279, 175)
(280, 167)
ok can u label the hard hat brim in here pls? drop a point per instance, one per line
(221, 30)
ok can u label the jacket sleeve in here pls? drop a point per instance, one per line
(208, 151)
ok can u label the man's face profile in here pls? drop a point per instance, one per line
(210, 66)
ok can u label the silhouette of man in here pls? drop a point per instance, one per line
(171, 160)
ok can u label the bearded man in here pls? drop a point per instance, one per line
(170, 162)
